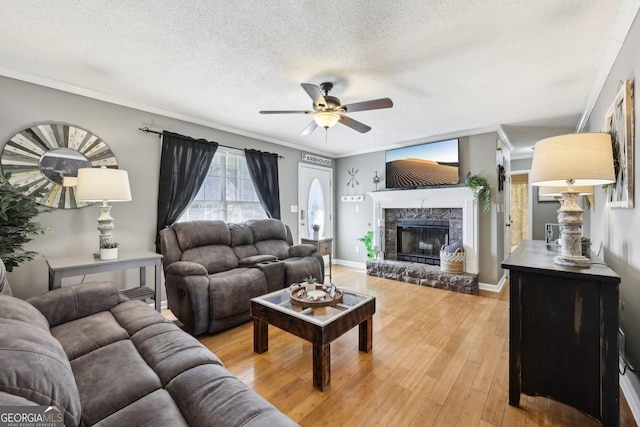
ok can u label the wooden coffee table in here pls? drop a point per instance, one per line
(320, 326)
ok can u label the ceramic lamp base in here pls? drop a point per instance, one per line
(573, 261)
(570, 221)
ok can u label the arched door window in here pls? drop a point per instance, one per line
(316, 207)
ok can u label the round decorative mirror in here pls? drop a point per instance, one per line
(40, 157)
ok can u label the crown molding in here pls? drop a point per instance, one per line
(116, 100)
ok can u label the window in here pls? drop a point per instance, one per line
(227, 192)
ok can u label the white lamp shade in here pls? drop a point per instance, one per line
(100, 184)
(326, 119)
(557, 191)
(585, 158)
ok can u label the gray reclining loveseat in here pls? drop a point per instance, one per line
(212, 269)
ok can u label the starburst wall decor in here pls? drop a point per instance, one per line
(40, 157)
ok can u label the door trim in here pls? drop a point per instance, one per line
(331, 195)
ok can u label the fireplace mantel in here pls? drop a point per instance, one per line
(450, 197)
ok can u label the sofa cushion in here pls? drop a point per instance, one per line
(169, 351)
(111, 378)
(79, 301)
(279, 248)
(268, 229)
(241, 234)
(215, 258)
(154, 409)
(192, 234)
(79, 337)
(33, 365)
(22, 311)
(245, 251)
(230, 292)
(135, 315)
(209, 393)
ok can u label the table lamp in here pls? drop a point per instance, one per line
(580, 159)
(582, 190)
(103, 185)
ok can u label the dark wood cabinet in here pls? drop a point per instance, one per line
(563, 332)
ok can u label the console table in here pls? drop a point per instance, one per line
(563, 332)
(87, 264)
(324, 246)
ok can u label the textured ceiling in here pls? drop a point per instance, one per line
(451, 67)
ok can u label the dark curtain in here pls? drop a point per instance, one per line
(183, 168)
(263, 170)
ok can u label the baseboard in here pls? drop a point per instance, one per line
(493, 288)
(630, 386)
(361, 265)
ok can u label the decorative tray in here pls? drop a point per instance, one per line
(320, 297)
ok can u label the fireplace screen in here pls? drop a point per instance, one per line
(420, 240)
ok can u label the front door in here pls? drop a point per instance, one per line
(315, 200)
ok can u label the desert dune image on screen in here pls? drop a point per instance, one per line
(423, 165)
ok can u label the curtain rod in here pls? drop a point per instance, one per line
(147, 130)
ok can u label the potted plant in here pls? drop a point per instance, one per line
(109, 251)
(17, 211)
(586, 246)
(481, 190)
(316, 231)
(310, 283)
(367, 240)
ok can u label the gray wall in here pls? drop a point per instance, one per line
(617, 228)
(543, 212)
(74, 231)
(353, 220)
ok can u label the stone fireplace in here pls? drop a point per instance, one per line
(453, 204)
(448, 213)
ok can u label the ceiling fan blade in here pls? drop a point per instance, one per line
(310, 128)
(354, 124)
(286, 112)
(315, 93)
(374, 104)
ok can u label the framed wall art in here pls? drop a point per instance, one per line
(40, 157)
(619, 123)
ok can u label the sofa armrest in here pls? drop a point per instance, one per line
(73, 302)
(302, 250)
(187, 285)
(186, 268)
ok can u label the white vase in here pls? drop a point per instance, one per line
(108, 253)
(316, 235)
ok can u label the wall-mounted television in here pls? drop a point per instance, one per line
(424, 165)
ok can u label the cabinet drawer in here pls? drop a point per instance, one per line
(324, 248)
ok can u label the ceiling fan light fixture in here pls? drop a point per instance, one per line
(326, 119)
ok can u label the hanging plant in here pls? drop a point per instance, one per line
(481, 190)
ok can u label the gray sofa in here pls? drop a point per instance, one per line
(108, 362)
(212, 269)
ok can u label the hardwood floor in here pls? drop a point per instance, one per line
(439, 358)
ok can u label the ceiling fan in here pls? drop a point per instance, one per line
(327, 110)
